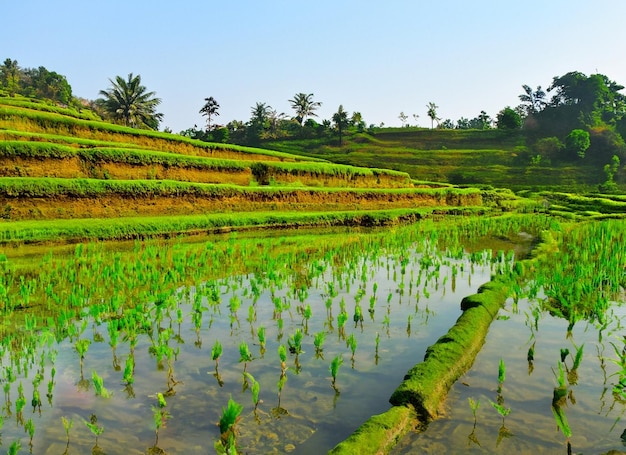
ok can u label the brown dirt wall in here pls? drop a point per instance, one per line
(109, 206)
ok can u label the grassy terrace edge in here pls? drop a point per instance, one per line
(76, 230)
(57, 121)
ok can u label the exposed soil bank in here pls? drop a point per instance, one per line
(111, 205)
(417, 400)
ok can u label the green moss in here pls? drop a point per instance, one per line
(380, 433)
(426, 385)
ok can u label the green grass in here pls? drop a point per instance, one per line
(18, 232)
(69, 126)
(39, 105)
(52, 187)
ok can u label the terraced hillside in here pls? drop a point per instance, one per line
(57, 163)
(461, 157)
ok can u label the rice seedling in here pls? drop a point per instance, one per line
(352, 344)
(295, 343)
(20, 402)
(129, 370)
(160, 416)
(334, 369)
(228, 428)
(95, 429)
(318, 342)
(261, 337)
(358, 316)
(254, 389)
(29, 426)
(98, 385)
(245, 355)
(67, 426)
(559, 399)
(15, 447)
(306, 314)
(342, 318)
(216, 353)
(474, 405)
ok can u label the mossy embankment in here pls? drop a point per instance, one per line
(420, 396)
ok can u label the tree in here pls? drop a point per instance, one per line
(341, 122)
(534, 101)
(357, 121)
(42, 83)
(129, 102)
(10, 76)
(432, 113)
(403, 118)
(209, 109)
(577, 142)
(304, 106)
(508, 119)
(482, 122)
(463, 123)
(447, 124)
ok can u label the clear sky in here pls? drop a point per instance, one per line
(375, 57)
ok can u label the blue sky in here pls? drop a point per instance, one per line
(375, 57)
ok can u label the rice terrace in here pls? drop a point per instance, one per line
(288, 286)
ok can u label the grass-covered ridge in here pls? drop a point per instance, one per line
(14, 118)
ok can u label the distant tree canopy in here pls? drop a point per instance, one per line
(508, 119)
(580, 104)
(34, 82)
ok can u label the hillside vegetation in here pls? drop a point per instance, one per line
(62, 163)
(498, 158)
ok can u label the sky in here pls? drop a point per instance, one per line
(377, 58)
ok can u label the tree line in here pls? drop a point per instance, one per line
(576, 117)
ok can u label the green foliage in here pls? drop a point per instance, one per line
(129, 102)
(295, 342)
(254, 388)
(501, 372)
(508, 119)
(15, 447)
(230, 416)
(282, 353)
(98, 384)
(334, 367)
(577, 142)
(318, 341)
(501, 409)
(244, 352)
(216, 351)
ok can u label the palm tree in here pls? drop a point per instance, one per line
(304, 106)
(432, 113)
(341, 121)
(127, 101)
(210, 108)
(534, 101)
